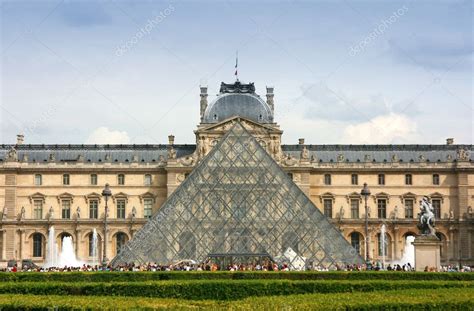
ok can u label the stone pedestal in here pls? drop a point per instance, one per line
(427, 252)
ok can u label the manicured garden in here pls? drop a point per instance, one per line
(237, 290)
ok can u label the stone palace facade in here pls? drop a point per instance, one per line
(60, 185)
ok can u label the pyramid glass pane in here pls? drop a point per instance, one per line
(238, 201)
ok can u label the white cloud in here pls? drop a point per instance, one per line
(322, 102)
(386, 129)
(103, 135)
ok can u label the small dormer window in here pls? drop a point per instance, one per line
(260, 117)
(215, 116)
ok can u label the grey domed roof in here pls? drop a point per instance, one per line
(233, 102)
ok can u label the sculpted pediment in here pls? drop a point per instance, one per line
(249, 125)
(208, 136)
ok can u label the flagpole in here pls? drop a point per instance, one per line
(236, 66)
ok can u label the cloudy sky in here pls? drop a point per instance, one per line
(343, 71)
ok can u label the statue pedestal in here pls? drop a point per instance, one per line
(427, 252)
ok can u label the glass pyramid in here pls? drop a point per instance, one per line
(239, 202)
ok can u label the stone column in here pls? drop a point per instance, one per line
(20, 244)
(396, 238)
(2, 249)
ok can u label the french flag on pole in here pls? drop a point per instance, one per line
(236, 63)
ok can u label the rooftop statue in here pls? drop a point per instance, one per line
(426, 218)
(237, 87)
(12, 155)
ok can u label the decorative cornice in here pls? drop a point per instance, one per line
(408, 195)
(93, 196)
(65, 196)
(327, 195)
(381, 195)
(120, 195)
(37, 196)
(147, 195)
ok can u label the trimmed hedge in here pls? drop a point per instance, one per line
(447, 299)
(411, 299)
(219, 289)
(224, 275)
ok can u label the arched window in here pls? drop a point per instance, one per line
(147, 180)
(381, 179)
(66, 179)
(355, 241)
(327, 179)
(354, 179)
(121, 179)
(120, 240)
(38, 180)
(187, 245)
(37, 245)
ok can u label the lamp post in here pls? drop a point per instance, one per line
(366, 192)
(106, 193)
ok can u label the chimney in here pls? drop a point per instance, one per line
(449, 141)
(301, 141)
(270, 98)
(171, 139)
(203, 100)
(19, 139)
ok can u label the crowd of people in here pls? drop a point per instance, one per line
(210, 266)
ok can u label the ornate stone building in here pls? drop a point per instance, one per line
(60, 185)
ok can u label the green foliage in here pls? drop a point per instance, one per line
(219, 289)
(179, 275)
(419, 299)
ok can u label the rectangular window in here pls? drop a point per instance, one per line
(328, 208)
(355, 208)
(408, 208)
(435, 179)
(381, 179)
(66, 209)
(93, 179)
(148, 208)
(408, 179)
(290, 175)
(121, 209)
(38, 180)
(37, 245)
(121, 179)
(382, 208)
(147, 180)
(93, 209)
(354, 179)
(327, 179)
(436, 207)
(38, 209)
(66, 179)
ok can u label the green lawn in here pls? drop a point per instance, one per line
(420, 299)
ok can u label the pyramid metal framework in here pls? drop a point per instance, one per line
(238, 201)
